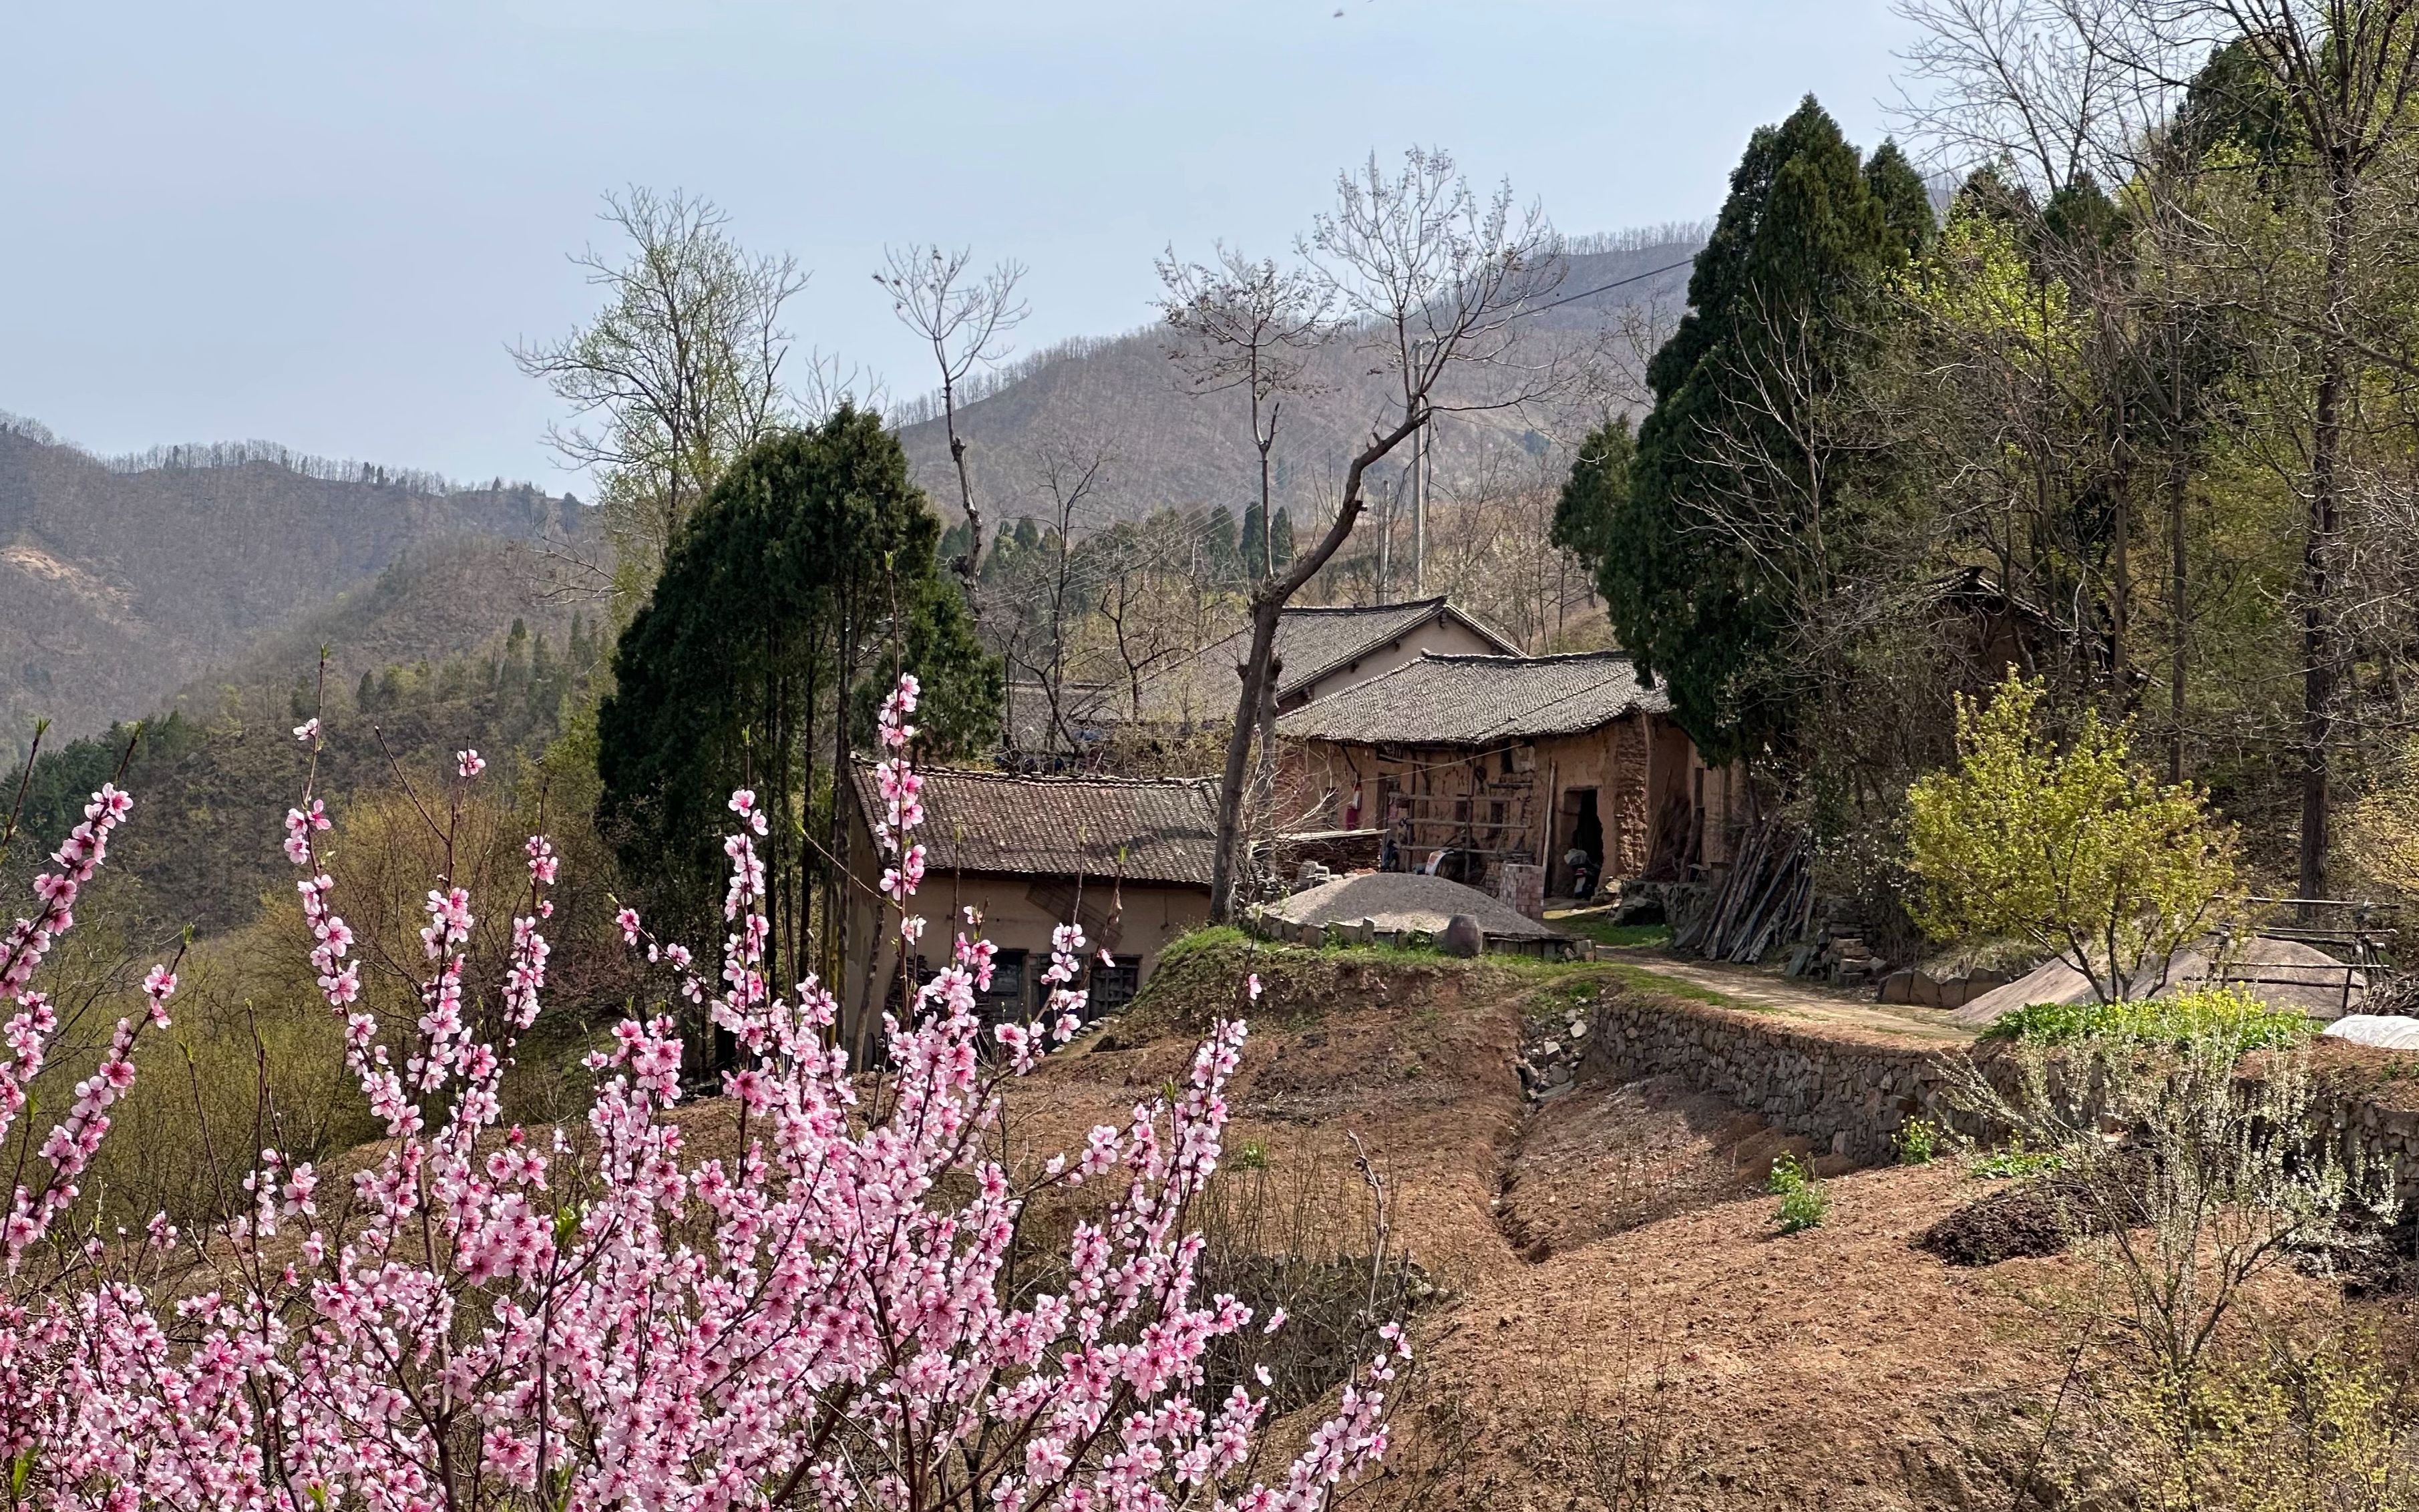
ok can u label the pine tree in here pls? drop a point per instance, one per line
(1787, 277)
(1593, 496)
(1281, 538)
(1219, 544)
(1906, 204)
(1254, 557)
(757, 661)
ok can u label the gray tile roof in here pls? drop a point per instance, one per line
(1311, 641)
(1478, 701)
(1160, 831)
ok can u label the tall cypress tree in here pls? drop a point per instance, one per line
(1592, 497)
(1785, 281)
(1280, 539)
(1218, 542)
(801, 586)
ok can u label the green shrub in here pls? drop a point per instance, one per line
(2073, 846)
(2207, 1016)
(1802, 1202)
(1917, 1141)
(2015, 1163)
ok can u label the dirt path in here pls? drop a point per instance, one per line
(1768, 991)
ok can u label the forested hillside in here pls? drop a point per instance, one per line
(1124, 399)
(121, 581)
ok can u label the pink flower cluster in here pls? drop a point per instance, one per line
(838, 1311)
(30, 1030)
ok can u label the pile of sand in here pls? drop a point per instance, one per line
(1399, 900)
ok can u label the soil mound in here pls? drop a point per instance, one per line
(2021, 1222)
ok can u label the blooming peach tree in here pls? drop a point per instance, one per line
(843, 1313)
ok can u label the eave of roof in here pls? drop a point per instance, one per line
(1478, 701)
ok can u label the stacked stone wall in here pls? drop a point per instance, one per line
(1850, 1090)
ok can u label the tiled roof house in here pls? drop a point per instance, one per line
(1471, 763)
(1127, 859)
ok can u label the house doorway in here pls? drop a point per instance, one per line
(1582, 840)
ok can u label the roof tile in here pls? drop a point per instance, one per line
(1140, 830)
(1477, 700)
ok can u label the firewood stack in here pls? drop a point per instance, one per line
(1763, 903)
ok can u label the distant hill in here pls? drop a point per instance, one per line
(121, 581)
(1173, 448)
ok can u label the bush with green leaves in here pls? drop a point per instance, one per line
(2199, 1014)
(2073, 847)
(1803, 1202)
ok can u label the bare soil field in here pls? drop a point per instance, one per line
(1617, 1304)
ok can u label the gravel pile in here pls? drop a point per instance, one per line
(1405, 901)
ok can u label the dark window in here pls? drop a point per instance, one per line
(1114, 985)
(1006, 999)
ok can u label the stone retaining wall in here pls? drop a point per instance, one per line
(1849, 1091)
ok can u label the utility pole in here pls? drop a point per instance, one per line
(1385, 544)
(1420, 513)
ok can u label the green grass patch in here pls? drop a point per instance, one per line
(2014, 1164)
(1648, 979)
(2203, 1015)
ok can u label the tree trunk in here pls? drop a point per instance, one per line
(1257, 669)
(1268, 604)
(2178, 477)
(2318, 553)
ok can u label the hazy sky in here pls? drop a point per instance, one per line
(323, 223)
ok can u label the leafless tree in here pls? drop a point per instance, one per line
(679, 374)
(1148, 620)
(1036, 626)
(1430, 281)
(1248, 326)
(965, 319)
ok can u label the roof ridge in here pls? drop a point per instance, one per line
(988, 773)
(1366, 609)
(1609, 654)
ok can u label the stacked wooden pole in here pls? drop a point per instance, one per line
(1763, 902)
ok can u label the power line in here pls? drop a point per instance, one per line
(1634, 277)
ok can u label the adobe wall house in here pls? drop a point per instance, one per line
(1319, 651)
(1511, 760)
(1128, 858)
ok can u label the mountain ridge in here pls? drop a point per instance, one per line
(121, 582)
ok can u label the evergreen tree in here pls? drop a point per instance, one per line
(1218, 542)
(1255, 558)
(515, 669)
(1281, 538)
(1906, 204)
(1595, 493)
(806, 577)
(1786, 279)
